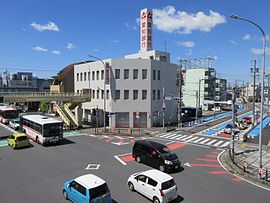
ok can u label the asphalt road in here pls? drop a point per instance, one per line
(37, 174)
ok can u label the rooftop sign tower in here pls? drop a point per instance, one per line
(146, 29)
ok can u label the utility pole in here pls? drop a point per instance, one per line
(268, 79)
(163, 109)
(179, 112)
(254, 71)
(233, 125)
(197, 106)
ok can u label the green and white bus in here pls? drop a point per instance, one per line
(42, 129)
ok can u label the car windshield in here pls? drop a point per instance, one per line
(99, 191)
(165, 151)
(51, 130)
(168, 184)
(22, 138)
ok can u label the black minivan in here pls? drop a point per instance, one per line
(156, 155)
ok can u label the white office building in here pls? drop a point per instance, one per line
(134, 93)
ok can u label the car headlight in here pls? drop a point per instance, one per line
(168, 162)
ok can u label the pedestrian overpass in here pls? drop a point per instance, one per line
(63, 103)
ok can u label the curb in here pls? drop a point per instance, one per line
(235, 170)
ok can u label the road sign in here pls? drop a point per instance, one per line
(260, 171)
(163, 105)
(168, 98)
(137, 115)
(245, 164)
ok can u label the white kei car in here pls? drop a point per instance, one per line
(154, 184)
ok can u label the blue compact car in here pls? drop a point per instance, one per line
(87, 189)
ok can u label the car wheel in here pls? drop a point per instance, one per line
(131, 186)
(162, 168)
(138, 159)
(156, 200)
(65, 194)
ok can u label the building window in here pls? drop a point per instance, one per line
(117, 74)
(154, 94)
(135, 74)
(126, 94)
(81, 77)
(126, 74)
(97, 75)
(135, 94)
(93, 75)
(144, 74)
(102, 94)
(107, 94)
(97, 94)
(144, 94)
(158, 74)
(93, 93)
(78, 76)
(158, 94)
(84, 76)
(102, 75)
(89, 76)
(117, 94)
(154, 74)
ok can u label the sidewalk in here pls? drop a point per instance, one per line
(246, 163)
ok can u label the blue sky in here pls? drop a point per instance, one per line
(45, 36)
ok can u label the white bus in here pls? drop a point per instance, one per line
(7, 113)
(42, 129)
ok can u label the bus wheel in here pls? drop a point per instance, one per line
(37, 140)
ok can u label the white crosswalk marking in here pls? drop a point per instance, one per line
(225, 144)
(187, 138)
(211, 142)
(204, 141)
(198, 140)
(174, 137)
(194, 138)
(165, 135)
(218, 143)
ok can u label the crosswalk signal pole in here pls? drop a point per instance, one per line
(233, 125)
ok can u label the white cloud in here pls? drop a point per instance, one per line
(55, 52)
(260, 51)
(189, 52)
(115, 41)
(234, 43)
(70, 46)
(40, 49)
(169, 20)
(246, 37)
(188, 44)
(49, 26)
(132, 27)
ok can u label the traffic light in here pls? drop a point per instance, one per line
(93, 112)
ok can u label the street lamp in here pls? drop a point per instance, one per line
(262, 91)
(104, 87)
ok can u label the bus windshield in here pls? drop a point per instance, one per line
(53, 129)
(10, 114)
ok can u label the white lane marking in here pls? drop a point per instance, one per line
(120, 143)
(211, 142)
(194, 138)
(187, 164)
(218, 143)
(90, 135)
(120, 160)
(204, 141)
(169, 143)
(198, 139)
(218, 158)
(92, 167)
